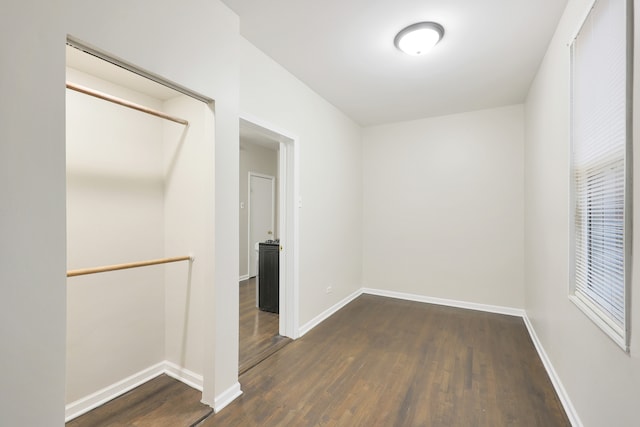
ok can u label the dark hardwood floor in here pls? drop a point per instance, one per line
(258, 333)
(376, 362)
(386, 362)
(162, 401)
(165, 402)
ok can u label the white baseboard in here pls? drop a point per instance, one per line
(448, 302)
(183, 375)
(92, 401)
(226, 397)
(555, 379)
(327, 313)
(244, 277)
(100, 397)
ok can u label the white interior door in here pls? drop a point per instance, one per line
(261, 214)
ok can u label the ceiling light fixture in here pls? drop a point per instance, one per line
(419, 38)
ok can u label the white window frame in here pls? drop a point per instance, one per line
(588, 301)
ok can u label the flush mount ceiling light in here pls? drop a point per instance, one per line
(419, 38)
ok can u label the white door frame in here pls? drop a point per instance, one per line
(288, 222)
(273, 212)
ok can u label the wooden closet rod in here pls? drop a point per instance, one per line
(102, 269)
(125, 103)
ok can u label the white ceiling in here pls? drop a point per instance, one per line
(343, 49)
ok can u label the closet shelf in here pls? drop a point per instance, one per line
(125, 103)
(82, 271)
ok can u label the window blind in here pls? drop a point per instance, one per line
(599, 164)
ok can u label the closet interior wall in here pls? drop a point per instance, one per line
(189, 157)
(133, 183)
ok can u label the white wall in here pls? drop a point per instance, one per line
(32, 214)
(33, 177)
(115, 214)
(330, 168)
(443, 207)
(253, 158)
(186, 169)
(602, 382)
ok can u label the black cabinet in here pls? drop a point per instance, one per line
(269, 277)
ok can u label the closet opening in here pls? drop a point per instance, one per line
(268, 241)
(140, 167)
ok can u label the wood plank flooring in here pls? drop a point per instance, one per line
(162, 401)
(376, 362)
(386, 362)
(258, 330)
(165, 402)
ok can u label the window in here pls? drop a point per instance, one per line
(601, 167)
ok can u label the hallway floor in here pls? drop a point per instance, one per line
(258, 329)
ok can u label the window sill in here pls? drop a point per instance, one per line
(589, 309)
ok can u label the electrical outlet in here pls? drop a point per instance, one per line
(329, 289)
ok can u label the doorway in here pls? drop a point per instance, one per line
(266, 214)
